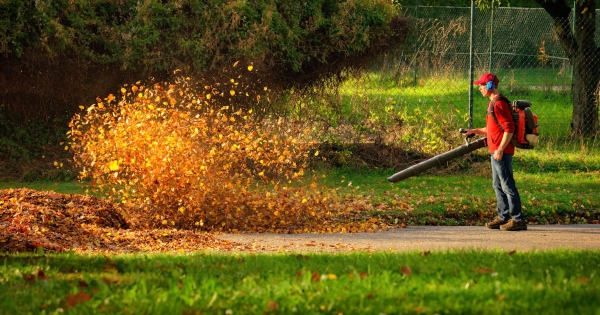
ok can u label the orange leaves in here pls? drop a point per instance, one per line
(174, 147)
(59, 222)
(113, 166)
(32, 277)
(79, 297)
(315, 277)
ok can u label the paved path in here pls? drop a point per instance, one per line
(429, 238)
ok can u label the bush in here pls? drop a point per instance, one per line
(50, 48)
(195, 35)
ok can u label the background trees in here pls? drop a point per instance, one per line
(57, 55)
(583, 52)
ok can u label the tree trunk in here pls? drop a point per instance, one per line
(584, 56)
(586, 71)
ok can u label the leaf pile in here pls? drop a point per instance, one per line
(31, 219)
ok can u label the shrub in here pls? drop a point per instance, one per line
(49, 48)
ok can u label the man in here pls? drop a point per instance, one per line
(499, 131)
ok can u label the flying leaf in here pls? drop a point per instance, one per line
(114, 166)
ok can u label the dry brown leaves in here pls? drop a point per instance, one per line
(31, 219)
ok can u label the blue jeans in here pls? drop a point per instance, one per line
(507, 195)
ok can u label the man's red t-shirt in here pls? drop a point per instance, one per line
(494, 131)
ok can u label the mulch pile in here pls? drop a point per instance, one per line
(31, 219)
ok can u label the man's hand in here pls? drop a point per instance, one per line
(498, 155)
(469, 132)
(481, 131)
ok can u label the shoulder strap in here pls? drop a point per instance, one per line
(491, 111)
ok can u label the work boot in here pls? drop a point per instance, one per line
(496, 223)
(513, 225)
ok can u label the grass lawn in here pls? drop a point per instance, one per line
(450, 93)
(60, 187)
(494, 282)
(556, 186)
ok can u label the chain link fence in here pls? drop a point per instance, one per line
(519, 45)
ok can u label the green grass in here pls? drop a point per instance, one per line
(555, 186)
(450, 92)
(451, 282)
(565, 196)
(60, 187)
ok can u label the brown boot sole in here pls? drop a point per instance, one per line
(496, 226)
(514, 228)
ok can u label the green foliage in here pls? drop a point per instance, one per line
(23, 139)
(199, 35)
(56, 54)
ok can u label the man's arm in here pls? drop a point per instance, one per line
(481, 131)
(505, 141)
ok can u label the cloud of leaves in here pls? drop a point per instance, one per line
(170, 151)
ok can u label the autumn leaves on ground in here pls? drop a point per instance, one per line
(175, 164)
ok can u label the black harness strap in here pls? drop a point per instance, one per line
(491, 111)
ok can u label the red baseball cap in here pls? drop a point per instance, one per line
(487, 77)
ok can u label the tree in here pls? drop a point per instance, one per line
(583, 53)
(581, 49)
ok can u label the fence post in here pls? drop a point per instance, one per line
(416, 46)
(573, 29)
(471, 62)
(491, 38)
